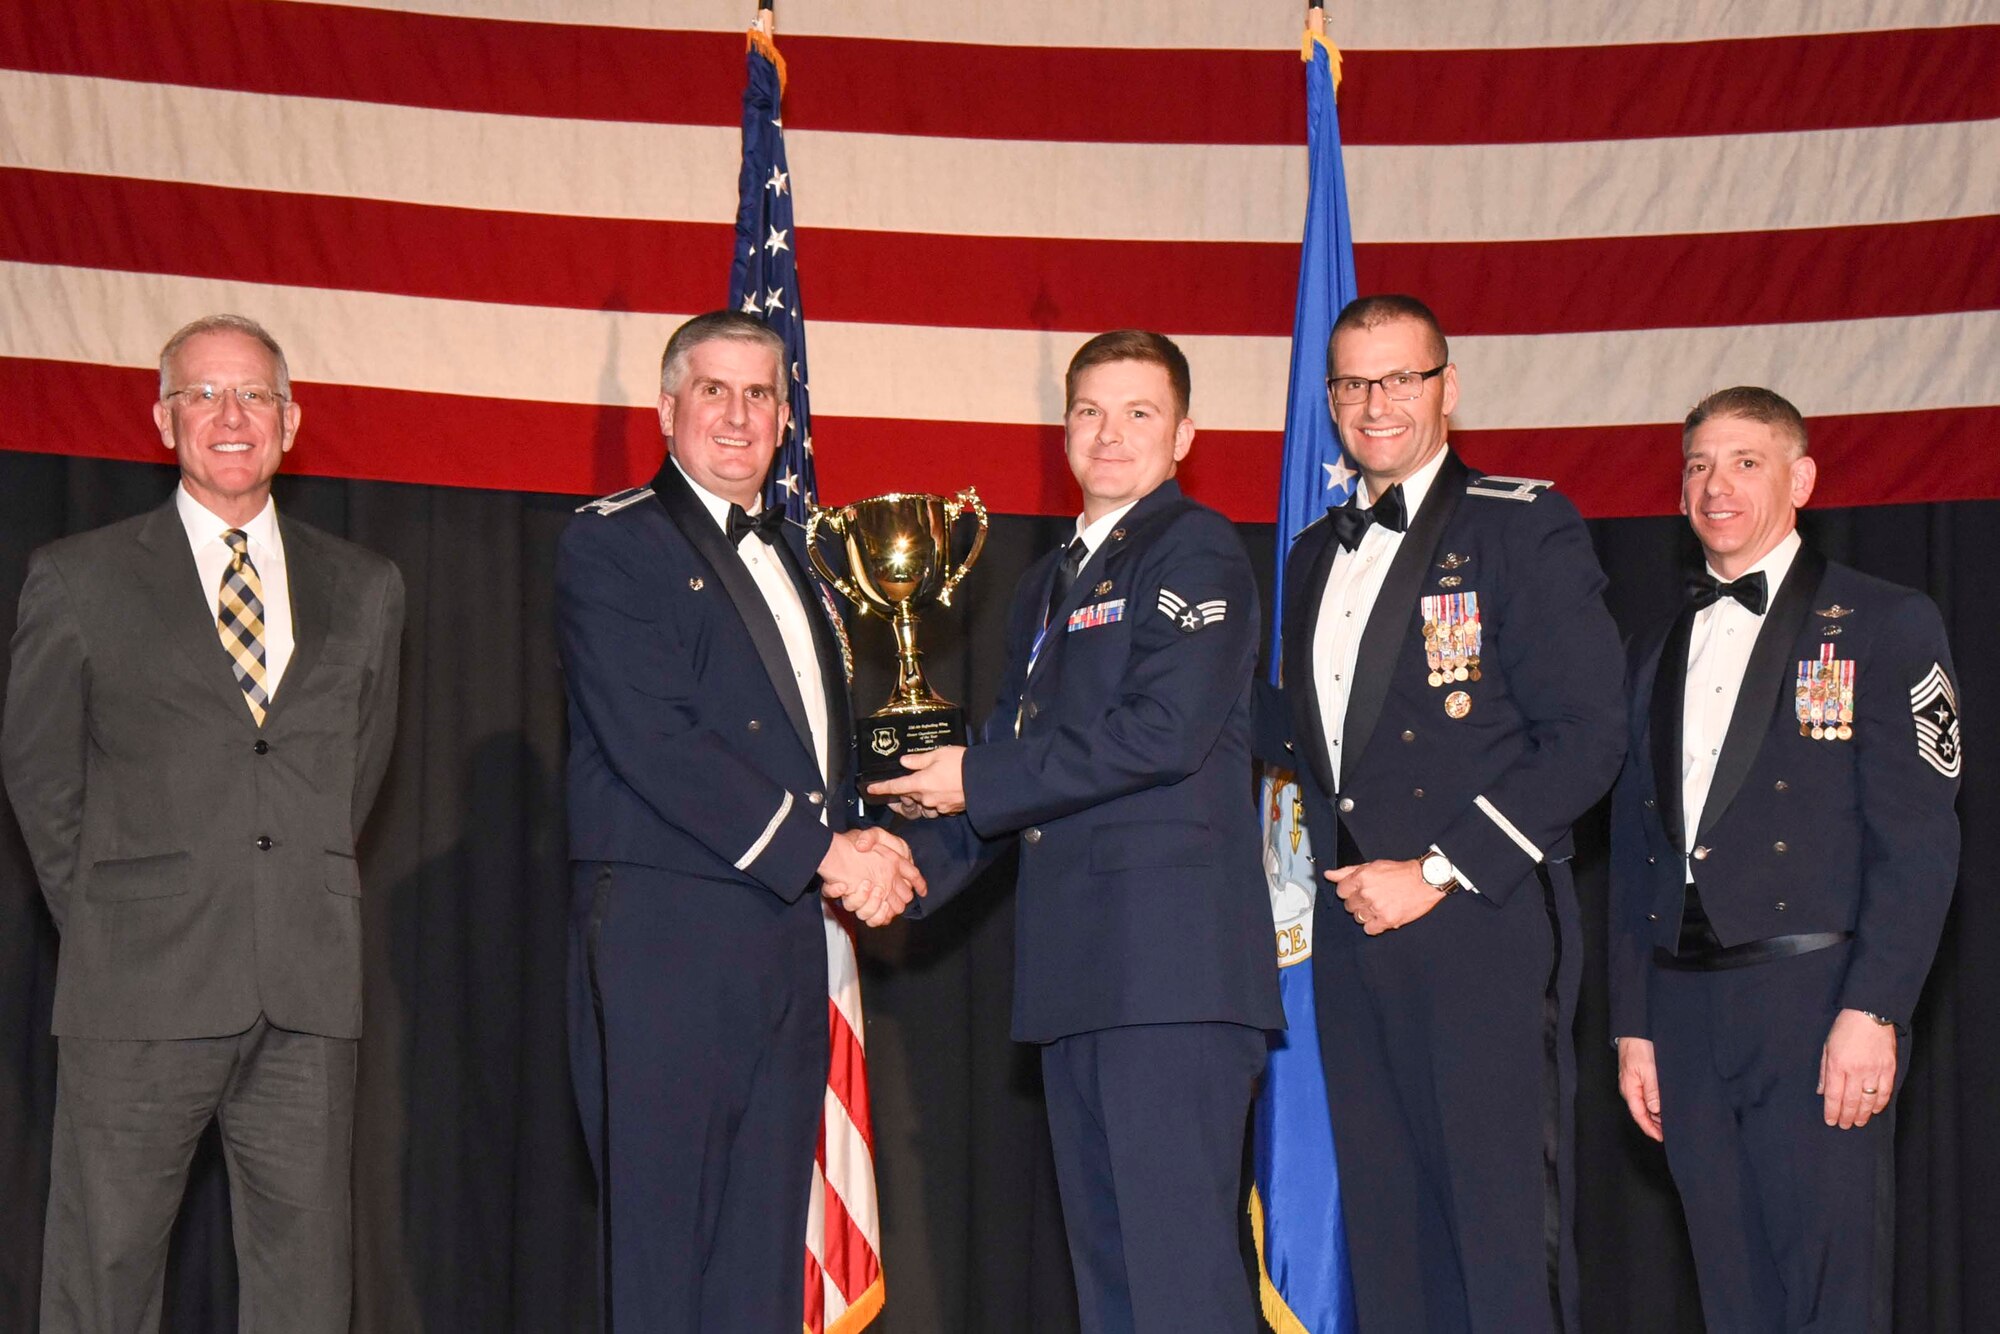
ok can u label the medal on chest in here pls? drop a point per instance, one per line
(1451, 637)
(1823, 697)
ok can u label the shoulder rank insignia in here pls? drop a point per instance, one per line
(616, 501)
(1191, 616)
(1507, 488)
(1934, 705)
(1835, 612)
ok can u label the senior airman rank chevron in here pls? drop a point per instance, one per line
(1191, 616)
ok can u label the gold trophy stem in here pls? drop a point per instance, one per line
(912, 691)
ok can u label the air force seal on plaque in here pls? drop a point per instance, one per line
(1191, 616)
(1934, 705)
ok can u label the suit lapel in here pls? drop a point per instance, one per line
(1301, 623)
(312, 581)
(1765, 683)
(832, 664)
(166, 568)
(1390, 620)
(689, 515)
(1669, 703)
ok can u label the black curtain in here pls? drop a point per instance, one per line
(472, 1197)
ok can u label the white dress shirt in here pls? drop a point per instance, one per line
(267, 552)
(1351, 589)
(1344, 607)
(781, 595)
(1718, 654)
(1093, 534)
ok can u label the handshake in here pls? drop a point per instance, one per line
(869, 872)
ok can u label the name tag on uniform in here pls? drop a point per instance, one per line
(1097, 613)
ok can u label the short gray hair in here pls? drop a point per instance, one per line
(1749, 402)
(719, 326)
(208, 324)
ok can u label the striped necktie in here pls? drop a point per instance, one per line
(240, 622)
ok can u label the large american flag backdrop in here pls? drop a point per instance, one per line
(474, 222)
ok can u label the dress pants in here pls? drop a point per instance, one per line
(1147, 1125)
(1451, 1078)
(128, 1117)
(1792, 1220)
(698, 1053)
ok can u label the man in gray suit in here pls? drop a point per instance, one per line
(200, 711)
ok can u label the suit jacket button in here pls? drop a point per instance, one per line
(1346, 804)
(1652, 861)
(1033, 836)
(816, 798)
(1033, 710)
(1409, 736)
(1700, 854)
(1417, 792)
(1779, 905)
(1783, 786)
(1649, 803)
(1652, 917)
(262, 747)
(1779, 846)
(263, 843)
(756, 726)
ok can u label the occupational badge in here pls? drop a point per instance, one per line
(1934, 705)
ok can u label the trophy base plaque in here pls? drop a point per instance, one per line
(884, 738)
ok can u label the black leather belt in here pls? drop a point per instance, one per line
(1750, 951)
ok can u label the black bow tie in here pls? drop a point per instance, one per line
(767, 523)
(1350, 522)
(1704, 589)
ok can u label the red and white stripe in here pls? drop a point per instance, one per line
(844, 1287)
(484, 216)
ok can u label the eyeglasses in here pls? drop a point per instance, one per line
(1400, 387)
(208, 397)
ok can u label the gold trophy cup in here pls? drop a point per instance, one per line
(898, 550)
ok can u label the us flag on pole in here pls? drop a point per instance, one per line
(843, 1243)
(764, 280)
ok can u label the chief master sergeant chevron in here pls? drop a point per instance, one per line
(1451, 705)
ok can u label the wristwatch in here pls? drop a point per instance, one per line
(1437, 873)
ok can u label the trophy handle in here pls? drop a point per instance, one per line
(835, 519)
(968, 499)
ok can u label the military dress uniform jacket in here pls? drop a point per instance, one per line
(1540, 735)
(1799, 836)
(1122, 761)
(689, 745)
(200, 867)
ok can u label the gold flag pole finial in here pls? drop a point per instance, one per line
(1315, 35)
(763, 36)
